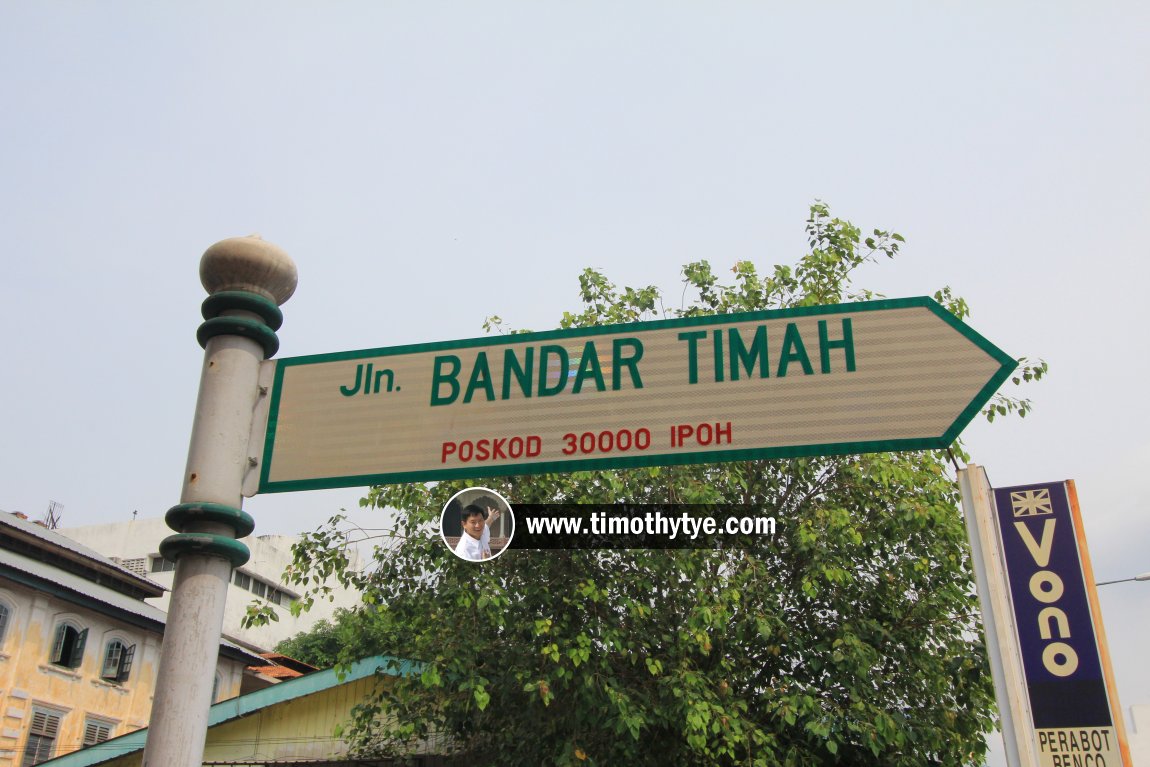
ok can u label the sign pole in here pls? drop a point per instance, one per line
(997, 617)
(246, 279)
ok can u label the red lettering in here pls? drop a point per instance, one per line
(642, 439)
(497, 448)
(606, 441)
(703, 434)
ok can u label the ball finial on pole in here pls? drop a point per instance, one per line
(249, 264)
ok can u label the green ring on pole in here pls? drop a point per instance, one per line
(175, 546)
(178, 517)
(218, 303)
(239, 326)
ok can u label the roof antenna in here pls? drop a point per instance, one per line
(53, 515)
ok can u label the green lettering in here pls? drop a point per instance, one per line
(522, 374)
(589, 366)
(348, 392)
(561, 354)
(740, 353)
(794, 351)
(692, 340)
(438, 377)
(480, 378)
(846, 343)
(718, 352)
(618, 362)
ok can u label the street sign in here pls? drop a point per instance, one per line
(900, 374)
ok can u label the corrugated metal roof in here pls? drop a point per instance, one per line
(53, 539)
(85, 588)
(235, 708)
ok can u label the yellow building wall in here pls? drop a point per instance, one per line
(29, 680)
(303, 728)
(298, 729)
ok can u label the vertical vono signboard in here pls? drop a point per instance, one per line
(1069, 684)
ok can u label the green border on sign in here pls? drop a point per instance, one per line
(1007, 366)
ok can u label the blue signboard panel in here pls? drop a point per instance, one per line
(1057, 623)
(1052, 610)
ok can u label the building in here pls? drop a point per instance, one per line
(136, 543)
(293, 723)
(1139, 736)
(79, 646)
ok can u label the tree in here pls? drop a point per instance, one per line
(851, 637)
(322, 645)
(318, 646)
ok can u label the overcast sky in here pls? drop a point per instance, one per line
(428, 164)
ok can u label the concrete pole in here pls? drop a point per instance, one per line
(246, 279)
(997, 618)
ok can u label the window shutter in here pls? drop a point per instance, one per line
(126, 663)
(58, 645)
(77, 655)
(3, 621)
(112, 655)
(45, 723)
(41, 737)
(96, 732)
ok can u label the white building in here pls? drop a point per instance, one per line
(135, 545)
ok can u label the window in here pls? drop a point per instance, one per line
(261, 588)
(68, 649)
(96, 731)
(117, 661)
(41, 736)
(4, 614)
(162, 565)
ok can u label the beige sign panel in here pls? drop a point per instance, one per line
(873, 376)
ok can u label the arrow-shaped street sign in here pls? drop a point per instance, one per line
(900, 374)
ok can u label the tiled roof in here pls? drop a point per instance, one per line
(276, 672)
(280, 659)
